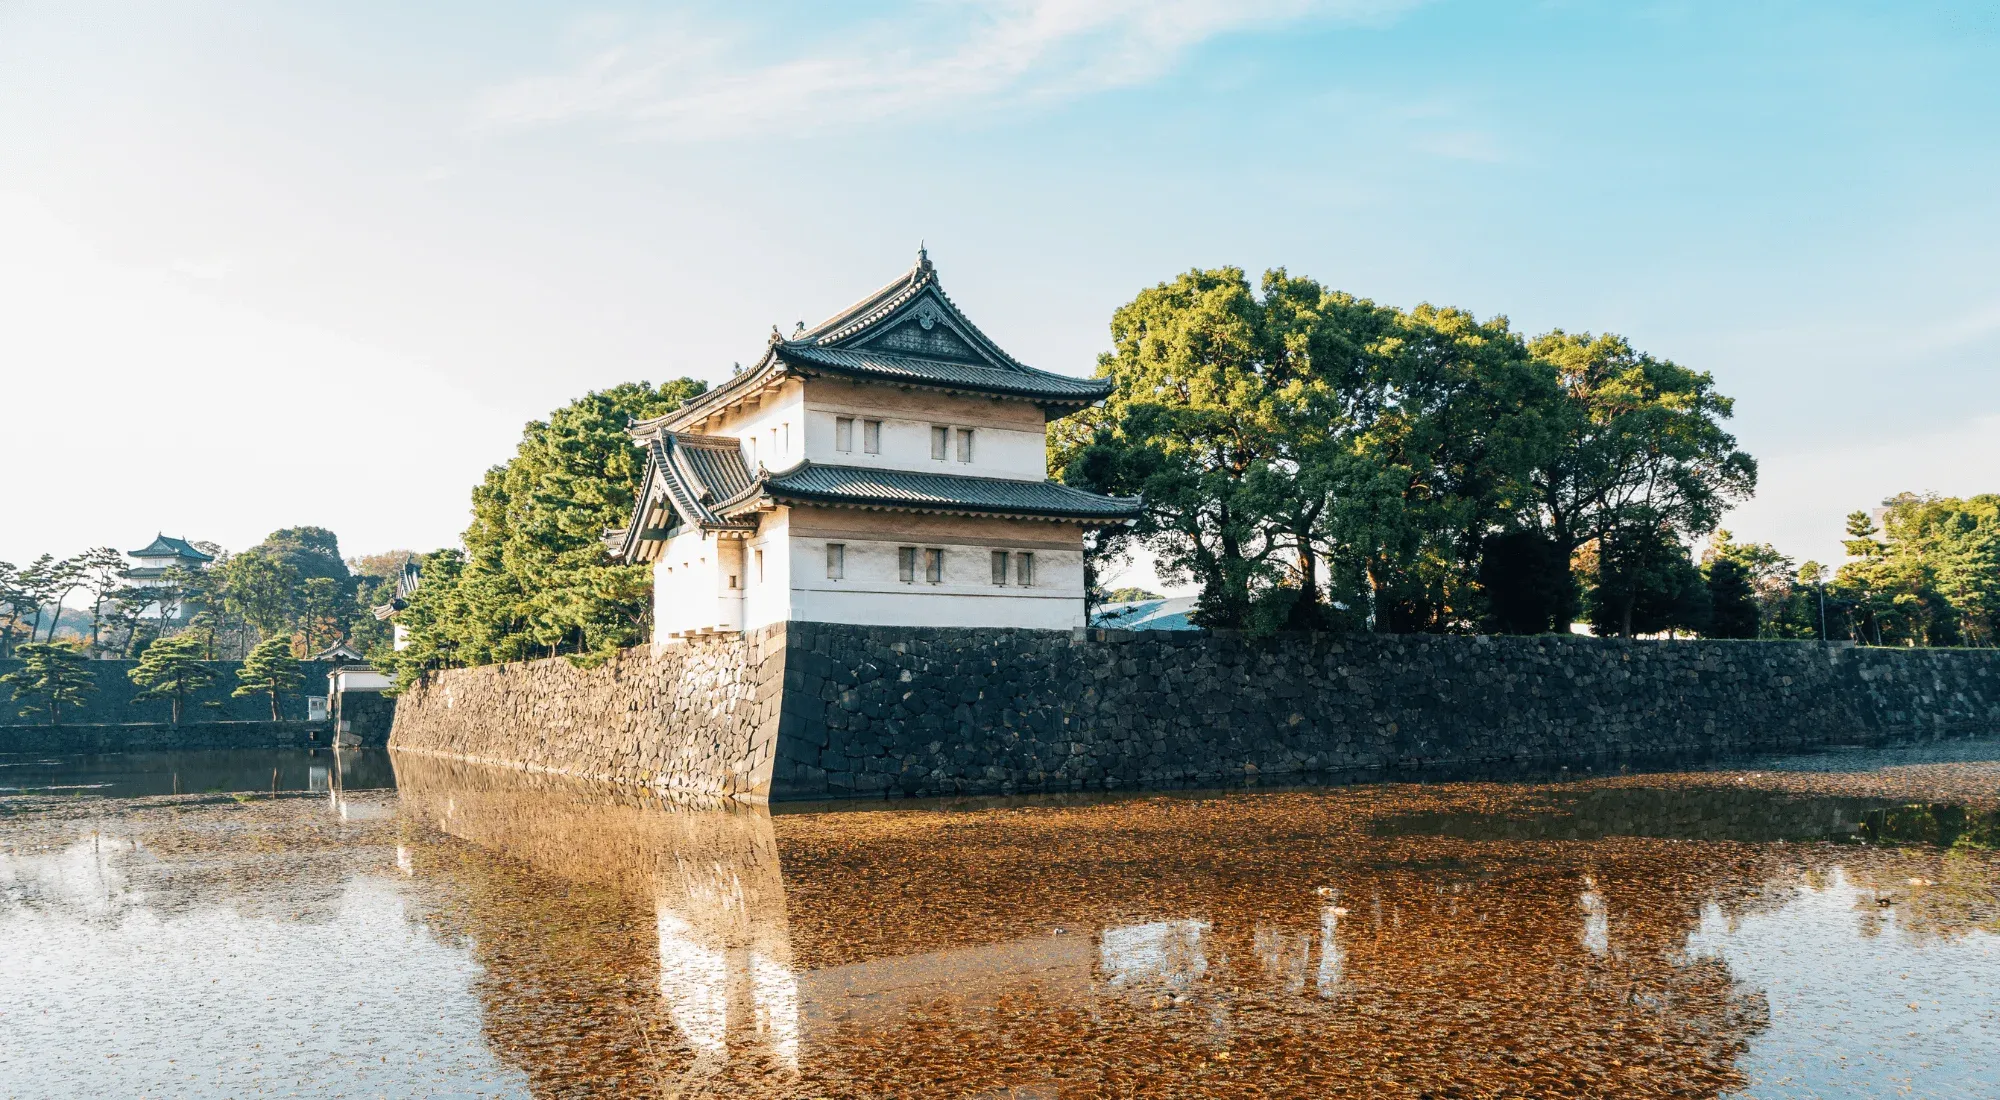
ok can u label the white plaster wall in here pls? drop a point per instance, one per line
(768, 598)
(781, 416)
(359, 680)
(1009, 440)
(691, 592)
(872, 595)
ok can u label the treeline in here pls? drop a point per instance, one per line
(56, 679)
(292, 585)
(533, 579)
(1313, 460)
(1927, 574)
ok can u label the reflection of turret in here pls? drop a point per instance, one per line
(670, 957)
(1228, 947)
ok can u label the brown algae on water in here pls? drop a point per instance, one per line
(1770, 931)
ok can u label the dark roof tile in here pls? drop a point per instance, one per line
(809, 483)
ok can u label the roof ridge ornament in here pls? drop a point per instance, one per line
(923, 258)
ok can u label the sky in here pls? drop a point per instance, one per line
(279, 264)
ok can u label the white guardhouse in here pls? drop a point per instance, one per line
(885, 468)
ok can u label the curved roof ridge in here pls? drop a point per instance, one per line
(873, 307)
(713, 442)
(923, 491)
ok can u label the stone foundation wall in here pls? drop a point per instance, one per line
(810, 710)
(869, 711)
(700, 718)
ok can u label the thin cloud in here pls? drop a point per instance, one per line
(1472, 145)
(689, 80)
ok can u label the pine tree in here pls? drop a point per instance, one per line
(52, 676)
(171, 669)
(269, 669)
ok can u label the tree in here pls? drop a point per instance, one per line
(1772, 581)
(1931, 578)
(53, 675)
(63, 578)
(1304, 453)
(262, 588)
(431, 621)
(17, 601)
(269, 670)
(320, 612)
(535, 579)
(171, 669)
(1528, 584)
(1644, 583)
(1634, 441)
(37, 583)
(1190, 416)
(1732, 601)
(1461, 425)
(103, 571)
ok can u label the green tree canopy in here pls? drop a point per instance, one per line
(1928, 575)
(1732, 602)
(534, 579)
(270, 669)
(172, 669)
(1307, 455)
(1635, 441)
(310, 551)
(1642, 581)
(52, 676)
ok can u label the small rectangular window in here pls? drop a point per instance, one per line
(785, 438)
(940, 442)
(836, 561)
(732, 580)
(1024, 569)
(760, 567)
(843, 433)
(934, 566)
(999, 567)
(751, 443)
(965, 444)
(906, 564)
(871, 437)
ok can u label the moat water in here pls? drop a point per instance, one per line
(1810, 926)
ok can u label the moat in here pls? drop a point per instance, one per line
(1808, 926)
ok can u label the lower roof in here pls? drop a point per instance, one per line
(905, 490)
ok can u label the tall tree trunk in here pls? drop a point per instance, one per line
(274, 700)
(55, 620)
(1305, 614)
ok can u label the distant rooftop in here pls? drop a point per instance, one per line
(165, 547)
(1161, 614)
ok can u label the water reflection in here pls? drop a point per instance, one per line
(207, 771)
(1158, 947)
(560, 939)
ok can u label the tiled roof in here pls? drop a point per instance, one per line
(853, 486)
(1160, 614)
(686, 475)
(1015, 381)
(909, 333)
(164, 547)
